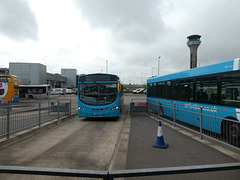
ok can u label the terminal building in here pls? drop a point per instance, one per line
(29, 73)
(36, 73)
(71, 77)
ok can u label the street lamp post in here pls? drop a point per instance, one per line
(158, 64)
(106, 66)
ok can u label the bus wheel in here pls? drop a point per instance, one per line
(231, 132)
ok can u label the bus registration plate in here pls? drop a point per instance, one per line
(97, 116)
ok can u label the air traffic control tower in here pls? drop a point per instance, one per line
(193, 43)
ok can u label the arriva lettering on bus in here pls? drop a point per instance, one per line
(192, 106)
(204, 108)
(228, 66)
(208, 109)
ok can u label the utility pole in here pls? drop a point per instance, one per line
(158, 64)
(152, 71)
(106, 66)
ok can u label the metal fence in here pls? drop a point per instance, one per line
(196, 119)
(39, 113)
(110, 175)
(18, 118)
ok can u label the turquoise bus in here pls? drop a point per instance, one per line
(99, 95)
(213, 89)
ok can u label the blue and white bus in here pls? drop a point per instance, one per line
(215, 89)
(99, 95)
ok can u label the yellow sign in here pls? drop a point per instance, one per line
(119, 87)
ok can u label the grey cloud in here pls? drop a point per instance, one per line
(139, 34)
(218, 23)
(137, 28)
(134, 21)
(17, 21)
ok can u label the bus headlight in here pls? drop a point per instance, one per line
(115, 108)
(80, 109)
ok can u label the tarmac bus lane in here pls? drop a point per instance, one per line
(183, 150)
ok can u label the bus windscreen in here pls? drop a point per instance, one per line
(98, 93)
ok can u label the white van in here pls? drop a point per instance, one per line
(57, 91)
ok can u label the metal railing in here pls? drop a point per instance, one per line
(110, 175)
(198, 119)
(39, 110)
(18, 118)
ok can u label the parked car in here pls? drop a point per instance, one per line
(126, 89)
(68, 91)
(57, 91)
(75, 92)
(138, 91)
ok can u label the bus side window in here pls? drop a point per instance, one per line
(201, 95)
(212, 98)
(186, 92)
(204, 97)
(206, 92)
(175, 90)
(230, 93)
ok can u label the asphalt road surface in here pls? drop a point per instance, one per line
(80, 143)
(183, 150)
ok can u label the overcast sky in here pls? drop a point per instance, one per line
(130, 34)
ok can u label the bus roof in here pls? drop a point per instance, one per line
(227, 66)
(11, 75)
(98, 74)
(96, 77)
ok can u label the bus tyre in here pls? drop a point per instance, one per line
(231, 132)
